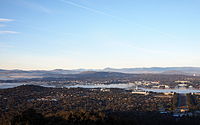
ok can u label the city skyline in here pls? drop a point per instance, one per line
(69, 34)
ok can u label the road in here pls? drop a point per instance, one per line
(182, 100)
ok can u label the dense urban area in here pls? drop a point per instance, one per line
(34, 104)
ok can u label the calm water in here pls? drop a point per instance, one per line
(121, 86)
(9, 85)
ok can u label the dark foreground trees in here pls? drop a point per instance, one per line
(78, 106)
(31, 117)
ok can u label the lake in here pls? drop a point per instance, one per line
(121, 86)
(10, 85)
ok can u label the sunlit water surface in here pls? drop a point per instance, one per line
(121, 86)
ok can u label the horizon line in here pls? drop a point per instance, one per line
(102, 68)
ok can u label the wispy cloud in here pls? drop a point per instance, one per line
(118, 18)
(5, 20)
(3, 25)
(8, 32)
(86, 8)
(39, 7)
(34, 6)
(136, 47)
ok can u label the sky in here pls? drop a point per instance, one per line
(95, 34)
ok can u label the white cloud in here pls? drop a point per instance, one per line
(3, 25)
(8, 32)
(5, 20)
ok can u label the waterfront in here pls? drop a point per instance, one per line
(171, 90)
(10, 85)
(121, 86)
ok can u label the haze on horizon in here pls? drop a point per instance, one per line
(95, 34)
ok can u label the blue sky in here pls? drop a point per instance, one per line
(72, 34)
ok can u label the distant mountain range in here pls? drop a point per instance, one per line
(162, 70)
(20, 74)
